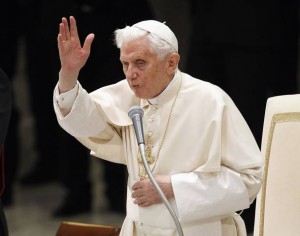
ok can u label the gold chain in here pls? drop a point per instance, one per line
(150, 159)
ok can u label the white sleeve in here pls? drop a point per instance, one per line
(201, 196)
(66, 100)
(78, 115)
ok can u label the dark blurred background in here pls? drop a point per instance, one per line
(248, 48)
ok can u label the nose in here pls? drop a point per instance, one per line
(131, 73)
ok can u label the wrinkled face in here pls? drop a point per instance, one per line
(146, 75)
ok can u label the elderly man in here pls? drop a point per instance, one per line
(199, 148)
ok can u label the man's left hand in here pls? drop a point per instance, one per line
(145, 194)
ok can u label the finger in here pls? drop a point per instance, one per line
(65, 29)
(62, 32)
(60, 40)
(145, 204)
(141, 200)
(73, 28)
(137, 193)
(137, 185)
(88, 42)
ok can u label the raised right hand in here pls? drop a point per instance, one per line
(72, 56)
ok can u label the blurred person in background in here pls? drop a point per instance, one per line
(9, 39)
(5, 111)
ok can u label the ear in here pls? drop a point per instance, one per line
(173, 60)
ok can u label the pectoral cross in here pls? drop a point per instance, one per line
(150, 159)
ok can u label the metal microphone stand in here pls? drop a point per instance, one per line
(158, 189)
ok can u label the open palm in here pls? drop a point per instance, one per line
(72, 56)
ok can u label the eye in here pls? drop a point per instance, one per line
(140, 63)
(125, 65)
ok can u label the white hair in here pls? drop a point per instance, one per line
(157, 45)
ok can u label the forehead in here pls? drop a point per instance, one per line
(137, 48)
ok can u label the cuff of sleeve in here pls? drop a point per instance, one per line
(67, 99)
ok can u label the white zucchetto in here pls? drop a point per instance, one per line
(159, 29)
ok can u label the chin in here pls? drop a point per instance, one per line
(138, 94)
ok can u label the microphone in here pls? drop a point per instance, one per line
(136, 113)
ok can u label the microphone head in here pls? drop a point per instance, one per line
(136, 115)
(135, 110)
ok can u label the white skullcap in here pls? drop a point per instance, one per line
(159, 29)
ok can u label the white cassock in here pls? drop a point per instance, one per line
(208, 149)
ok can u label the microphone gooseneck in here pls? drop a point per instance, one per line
(136, 115)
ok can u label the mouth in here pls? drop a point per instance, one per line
(135, 85)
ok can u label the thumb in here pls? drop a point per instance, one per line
(88, 42)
